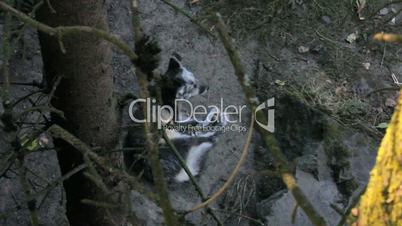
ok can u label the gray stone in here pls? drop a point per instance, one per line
(326, 19)
(384, 11)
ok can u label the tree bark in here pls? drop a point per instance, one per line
(381, 204)
(85, 94)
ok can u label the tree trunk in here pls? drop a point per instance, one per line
(381, 204)
(85, 94)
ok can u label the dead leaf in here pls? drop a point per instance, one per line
(340, 90)
(303, 49)
(389, 200)
(351, 37)
(379, 110)
(382, 125)
(366, 65)
(280, 83)
(390, 102)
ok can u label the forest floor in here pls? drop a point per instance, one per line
(334, 94)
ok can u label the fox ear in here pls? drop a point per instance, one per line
(177, 56)
(174, 66)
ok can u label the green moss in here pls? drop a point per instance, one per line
(352, 107)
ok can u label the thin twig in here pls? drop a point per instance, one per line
(234, 172)
(31, 203)
(135, 19)
(34, 84)
(192, 179)
(25, 97)
(70, 30)
(99, 204)
(46, 191)
(240, 215)
(58, 132)
(6, 57)
(383, 54)
(383, 90)
(352, 203)
(269, 139)
(41, 109)
(94, 175)
(7, 163)
(336, 209)
(7, 117)
(53, 90)
(52, 10)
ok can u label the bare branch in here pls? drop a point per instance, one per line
(99, 204)
(61, 31)
(192, 179)
(7, 163)
(150, 132)
(386, 37)
(268, 138)
(31, 203)
(241, 216)
(41, 109)
(46, 191)
(58, 132)
(235, 170)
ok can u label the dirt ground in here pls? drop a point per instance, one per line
(329, 100)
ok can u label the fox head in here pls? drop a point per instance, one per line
(179, 83)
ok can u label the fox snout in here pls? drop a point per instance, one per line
(204, 89)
